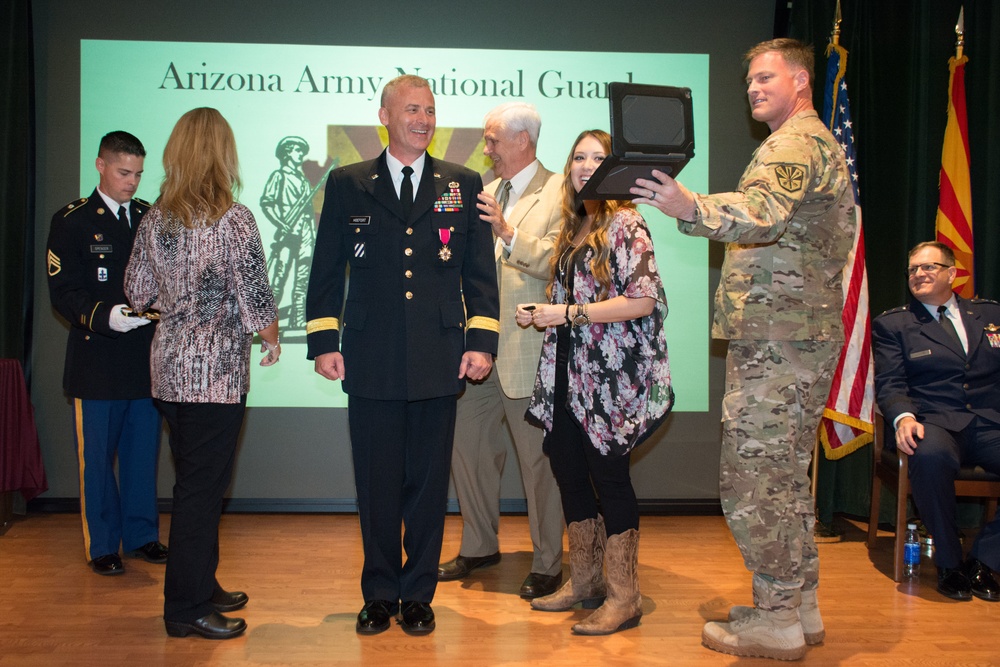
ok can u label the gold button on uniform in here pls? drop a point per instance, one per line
(409, 295)
(408, 252)
(408, 274)
(409, 230)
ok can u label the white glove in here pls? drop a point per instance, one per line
(273, 352)
(122, 323)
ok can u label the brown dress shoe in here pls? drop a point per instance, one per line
(461, 566)
(537, 585)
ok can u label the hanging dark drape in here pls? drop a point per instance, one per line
(897, 78)
(17, 193)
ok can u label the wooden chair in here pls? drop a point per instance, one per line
(891, 470)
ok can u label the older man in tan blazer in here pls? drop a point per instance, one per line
(524, 212)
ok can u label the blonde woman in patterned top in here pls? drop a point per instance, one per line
(198, 259)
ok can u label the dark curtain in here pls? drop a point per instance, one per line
(897, 79)
(17, 177)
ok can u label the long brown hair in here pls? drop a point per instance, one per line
(574, 214)
(201, 169)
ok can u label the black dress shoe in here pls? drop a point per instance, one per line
(374, 617)
(224, 600)
(417, 618)
(213, 626)
(981, 580)
(151, 552)
(461, 566)
(108, 564)
(536, 585)
(952, 583)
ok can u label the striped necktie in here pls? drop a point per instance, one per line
(504, 197)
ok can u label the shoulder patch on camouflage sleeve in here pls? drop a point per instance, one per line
(791, 177)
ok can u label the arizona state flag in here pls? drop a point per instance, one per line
(954, 215)
(848, 418)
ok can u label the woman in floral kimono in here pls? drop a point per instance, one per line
(603, 386)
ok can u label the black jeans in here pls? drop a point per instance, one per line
(580, 469)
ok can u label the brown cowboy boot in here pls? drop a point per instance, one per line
(623, 607)
(587, 542)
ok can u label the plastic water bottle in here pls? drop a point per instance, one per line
(911, 553)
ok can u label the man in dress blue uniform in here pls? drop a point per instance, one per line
(107, 360)
(936, 367)
(420, 317)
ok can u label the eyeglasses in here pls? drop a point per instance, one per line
(930, 267)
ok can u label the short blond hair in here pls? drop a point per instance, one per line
(793, 51)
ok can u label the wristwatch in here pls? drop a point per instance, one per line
(581, 319)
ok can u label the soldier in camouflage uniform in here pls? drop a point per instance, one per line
(788, 230)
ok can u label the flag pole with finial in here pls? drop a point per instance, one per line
(953, 223)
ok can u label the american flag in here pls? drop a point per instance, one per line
(847, 422)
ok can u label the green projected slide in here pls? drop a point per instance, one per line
(299, 111)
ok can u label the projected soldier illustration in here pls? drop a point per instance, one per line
(287, 202)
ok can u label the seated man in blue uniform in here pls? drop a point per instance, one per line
(420, 317)
(107, 361)
(937, 363)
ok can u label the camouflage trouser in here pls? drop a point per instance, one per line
(775, 395)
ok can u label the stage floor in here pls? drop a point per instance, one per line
(301, 572)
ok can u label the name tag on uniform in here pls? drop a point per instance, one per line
(100, 248)
(921, 353)
(361, 220)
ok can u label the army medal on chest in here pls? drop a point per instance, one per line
(445, 252)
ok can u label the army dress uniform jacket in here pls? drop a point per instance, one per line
(789, 226)
(88, 250)
(920, 369)
(405, 326)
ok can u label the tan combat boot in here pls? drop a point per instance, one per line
(812, 622)
(587, 542)
(759, 634)
(623, 607)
